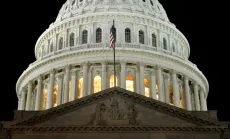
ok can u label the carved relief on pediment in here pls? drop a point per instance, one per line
(115, 111)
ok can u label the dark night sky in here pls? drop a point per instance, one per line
(26, 20)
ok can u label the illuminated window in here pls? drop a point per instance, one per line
(154, 40)
(44, 98)
(80, 87)
(84, 36)
(112, 81)
(60, 44)
(141, 37)
(146, 82)
(157, 94)
(55, 95)
(98, 35)
(171, 99)
(127, 35)
(71, 40)
(130, 83)
(69, 90)
(164, 43)
(97, 84)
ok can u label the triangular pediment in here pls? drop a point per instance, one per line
(115, 107)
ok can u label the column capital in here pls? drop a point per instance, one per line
(68, 67)
(158, 67)
(136, 69)
(52, 71)
(166, 76)
(173, 71)
(30, 84)
(85, 63)
(185, 77)
(103, 63)
(195, 83)
(39, 78)
(142, 64)
(60, 76)
(123, 62)
(73, 72)
(153, 72)
(24, 89)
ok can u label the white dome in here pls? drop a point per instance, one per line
(73, 8)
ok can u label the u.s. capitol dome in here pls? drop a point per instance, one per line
(73, 58)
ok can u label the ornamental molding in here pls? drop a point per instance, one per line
(42, 63)
(119, 93)
(61, 27)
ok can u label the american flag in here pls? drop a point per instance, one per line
(112, 41)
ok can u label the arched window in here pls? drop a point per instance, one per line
(84, 36)
(111, 81)
(73, 2)
(97, 84)
(127, 35)
(151, 2)
(141, 37)
(55, 95)
(98, 35)
(146, 82)
(71, 40)
(154, 40)
(51, 48)
(60, 43)
(80, 87)
(164, 43)
(173, 47)
(143, 0)
(81, 0)
(130, 83)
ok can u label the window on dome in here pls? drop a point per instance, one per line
(143, 0)
(154, 40)
(80, 87)
(98, 35)
(141, 37)
(111, 81)
(51, 48)
(130, 83)
(173, 47)
(164, 43)
(81, 0)
(97, 84)
(84, 36)
(146, 82)
(151, 2)
(127, 35)
(60, 44)
(71, 40)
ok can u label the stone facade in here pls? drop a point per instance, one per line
(114, 113)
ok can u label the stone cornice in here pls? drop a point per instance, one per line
(42, 63)
(112, 129)
(74, 21)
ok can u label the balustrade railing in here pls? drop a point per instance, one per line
(119, 46)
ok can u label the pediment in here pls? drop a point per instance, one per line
(115, 107)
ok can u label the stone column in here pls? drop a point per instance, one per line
(103, 66)
(123, 76)
(142, 85)
(166, 87)
(49, 102)
(85, 79)
(159, 83)
(176, 94)
(66, 91)
(187, 94)
(39, 94)
(73, 85)
(202, 101)
(197, 100)
(153, 84)
(137, 81)
(60, 84)
(23, 99)
(90, 86)
(29, 97)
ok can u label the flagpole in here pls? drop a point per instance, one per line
(114, 64)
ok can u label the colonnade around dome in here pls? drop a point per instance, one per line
(49, 90)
